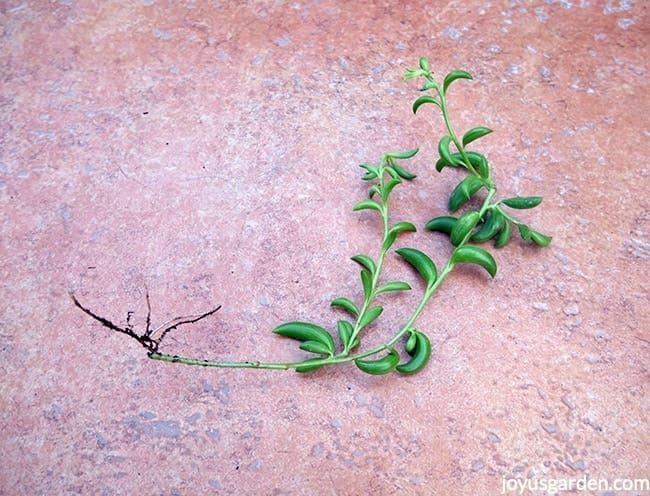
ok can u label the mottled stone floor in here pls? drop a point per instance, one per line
(208, 151)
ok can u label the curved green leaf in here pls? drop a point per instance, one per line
(421, 263)
(366, 262)
(452, 76)
(380, 366)
(540, 239)
(492, 225)
(529, 235)
(306, 331)
(444, 223)
(403, 155)
(477, 160)
(403, 173)
(523, 202)
(366, 283)
(366, 205)
(401, 227)
(374, 190)
(443, 149)
(413, 73)
(463, 191)
(409, 346)
(345, 304)
(504, 236)
(463, 226)
(345, 330)
(370, 315)
(422, 100)
(474, 134)
(476, 255)
(442, 163)
(391, 172)
(428, 85)
(394, 231)
(372, 172)
(316, 347)
(393, 286)
(420, 354)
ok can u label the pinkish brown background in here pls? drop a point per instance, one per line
(208, 151)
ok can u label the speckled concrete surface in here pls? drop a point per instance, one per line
(209, 151)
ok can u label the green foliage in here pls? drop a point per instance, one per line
(475, 225)
(420, 262)
(379, 366)
(476, 255)
(313, 337)
(419, 347)
(479, 219)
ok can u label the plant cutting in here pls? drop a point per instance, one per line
(466, 227)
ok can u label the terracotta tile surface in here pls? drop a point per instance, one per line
(208, 151)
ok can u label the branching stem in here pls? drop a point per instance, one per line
(487, 222)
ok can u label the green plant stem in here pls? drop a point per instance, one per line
(155, 355)
(507, 215)
(319, 341)
(448, 124)
(340, 358)
(380, 262)
(250, 364)
(366, 304)
(428, 294)
(345, 356)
